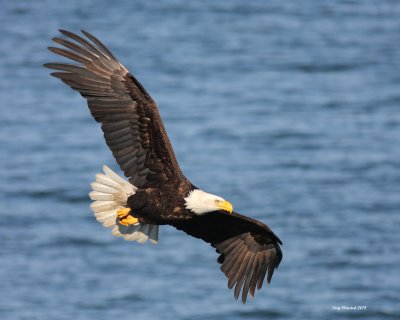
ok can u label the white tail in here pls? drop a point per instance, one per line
(110, 193)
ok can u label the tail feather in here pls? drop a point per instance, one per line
(102, 188)
(153, 233)
(107, 181)
(100, 206)
(96, 195)
(144, 231)
(111, 174)
(110, 193)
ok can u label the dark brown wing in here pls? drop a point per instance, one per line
(248, 248)
(128, 115)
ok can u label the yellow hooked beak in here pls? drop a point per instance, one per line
(225, 205)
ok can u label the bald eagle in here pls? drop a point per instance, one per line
(156, 192)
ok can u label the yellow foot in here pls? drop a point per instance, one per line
(125, 218)
(121, 213)
(128, 220)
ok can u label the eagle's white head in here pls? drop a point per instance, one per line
(201, 202)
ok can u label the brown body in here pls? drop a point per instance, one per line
(161, 205)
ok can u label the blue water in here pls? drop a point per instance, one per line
(289, 109)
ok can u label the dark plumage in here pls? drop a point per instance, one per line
(158, 192)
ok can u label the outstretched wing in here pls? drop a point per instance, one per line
(248, 248)
(129, 118)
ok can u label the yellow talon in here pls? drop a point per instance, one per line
(128, 220)
(121, 213)
(125, 218)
